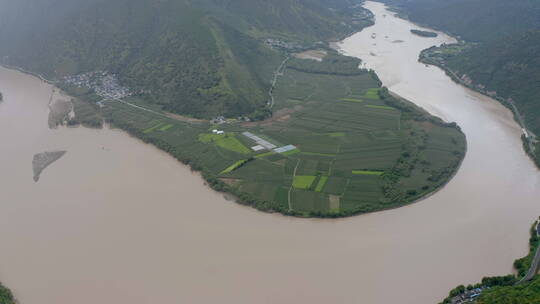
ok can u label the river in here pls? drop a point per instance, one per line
(118, 221)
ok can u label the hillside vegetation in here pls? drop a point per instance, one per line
(473, 20)
(523, 294)
(202, 58)
(6, 297)
(503, 61)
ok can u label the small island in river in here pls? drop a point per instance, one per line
(43, 160)
(427, 34)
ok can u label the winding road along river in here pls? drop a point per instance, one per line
(117, 221)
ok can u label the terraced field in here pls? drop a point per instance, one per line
(355, 148)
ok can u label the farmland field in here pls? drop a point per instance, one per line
(303, 182)
(356, 149)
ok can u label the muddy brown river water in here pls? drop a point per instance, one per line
(118, 221)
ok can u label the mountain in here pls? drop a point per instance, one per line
(473, 20)
(197, 57)
(503, 57)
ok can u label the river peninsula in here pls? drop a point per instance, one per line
(117, 221)
(338, 143)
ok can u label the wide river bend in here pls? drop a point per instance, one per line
(118, 221)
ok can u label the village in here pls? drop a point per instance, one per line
(468, 296)
(103, 83)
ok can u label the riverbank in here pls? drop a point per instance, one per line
(505, 289)
(530, 143)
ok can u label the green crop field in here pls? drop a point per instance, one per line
(226, 141)
(380, 107)
(352, 99)
(303, 181)
(234, 166)
(372, 93)
(166, 127)
(342, 148)
(322, 182)
(152, 129)
(367, 172)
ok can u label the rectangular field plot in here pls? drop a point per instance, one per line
(367, 188)
(303, 181)
(352, 99)
(335, 185)
(321, 183)
(226, 141)
(262, 171)
(367, 172)
(264, 191)
(234, 166)
(372, 93)
(306, 201)
(166, 127)
(307, 167)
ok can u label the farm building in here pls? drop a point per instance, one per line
(284, 149)
(257, 148)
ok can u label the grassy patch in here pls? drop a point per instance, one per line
(152, 129)
(206, 138)
(233, 144)
(318, 154)
(372, 93)
(336, 134)
(322, 182)
(225, 141)
(166, 127)
(352, 99)
(380, 107)
(234, 166)
(265, 154)
(367, 172)
(303, 181)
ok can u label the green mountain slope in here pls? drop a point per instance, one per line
(473, 20)
(203, 58)
(509, 66)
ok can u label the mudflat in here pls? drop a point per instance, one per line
(43, 160)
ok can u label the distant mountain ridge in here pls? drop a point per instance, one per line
(202, 58)
(473, 20)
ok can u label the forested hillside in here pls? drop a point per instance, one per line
(510, 67)
(473, 20)
(504, 60)
(202, 58)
